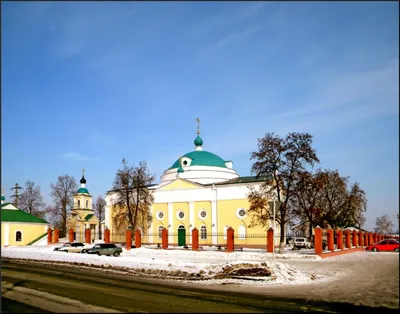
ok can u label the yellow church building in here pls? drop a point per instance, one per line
(19, 227)
(200, 190)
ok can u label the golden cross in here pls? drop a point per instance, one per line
(198, 125)
(83, 172)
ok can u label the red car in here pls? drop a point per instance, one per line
(384, 245)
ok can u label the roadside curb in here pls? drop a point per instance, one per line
(331, 254)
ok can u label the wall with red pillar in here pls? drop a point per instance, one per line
(138, 238)
(49, 235)
(330, 235)
(270, 240)
(71, 235)
(164, 236)
(87, 235)
(318, 240)
(128, 239)
(107, 236)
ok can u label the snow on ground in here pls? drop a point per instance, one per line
(250, 266)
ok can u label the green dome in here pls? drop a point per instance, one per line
(3, 198)
(202, 158)
(198, 141)
(83, 191)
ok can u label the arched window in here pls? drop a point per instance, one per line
(87, 204)
(160, 229)
(203, 233)
(79, 204)
(18, 236)
(242, 232)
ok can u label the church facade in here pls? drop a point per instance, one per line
(200, 190)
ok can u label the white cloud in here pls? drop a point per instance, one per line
(74, 156)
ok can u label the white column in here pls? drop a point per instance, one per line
(191, 219)
(150, 231)
(6, 234)
(214, 228)
(170, 222)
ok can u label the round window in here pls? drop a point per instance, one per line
(185, 162)
(180, 215)
(202, 214)
(241, 213)
(160, 215)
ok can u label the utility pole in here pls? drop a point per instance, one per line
(16, 188)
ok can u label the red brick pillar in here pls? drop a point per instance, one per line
(318, 240)
(71, 235)
(164, 240)
(347, 239)
(329, 235)
(339, 239)
(270, 240)
(107, 235)
(87, 235)
(49, 234)
(128, 239)
(56, 235)
(138, 238)
(360, 238)
(195, 239)
(230, 245)
(365, 238)
(371, 238)
(355, 238)
(375, 238)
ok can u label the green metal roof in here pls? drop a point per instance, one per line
(88, 216)
(19, 216)
(198, 141)
(202, 158)
(248, 179)
(83, 191)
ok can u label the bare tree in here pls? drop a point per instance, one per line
(306, 197)
(383, 224)
(100, 207)
(340, 207)
(31, 200)
(279, 160)
(133, 199)
(62, 193)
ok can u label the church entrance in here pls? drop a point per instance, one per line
(181, 235)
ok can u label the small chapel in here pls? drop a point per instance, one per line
(82, 215)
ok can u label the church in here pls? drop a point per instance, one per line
(82, 215)
(200, 190)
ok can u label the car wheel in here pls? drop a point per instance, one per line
(83, 251)
(116, 254)
(396, 249)
(98, 253)
(375, 249)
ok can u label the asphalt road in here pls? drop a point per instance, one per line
(27, 286)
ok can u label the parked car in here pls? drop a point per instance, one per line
(104, 249)
(384, 245)
(71, 247)
(301, 243)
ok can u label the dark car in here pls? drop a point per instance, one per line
(384, 245)
(104, 249)
(74, 247)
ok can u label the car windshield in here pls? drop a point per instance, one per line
(300, 240)
(67, 244)
(97, 246)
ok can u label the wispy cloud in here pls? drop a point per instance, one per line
(74, 156)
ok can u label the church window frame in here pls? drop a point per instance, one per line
(241, 213)
(202, 214)
(180, 215)
(160, 215)
(79, 204)
(18, 236)
(160, 229)
(242, 232)
(203, 233)
(87, 204)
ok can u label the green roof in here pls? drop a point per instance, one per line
(202, 158)
(83, 191)
(88, 216)
(198, 141)
(248, 179)
(19, 216)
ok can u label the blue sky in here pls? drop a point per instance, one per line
(85, 84)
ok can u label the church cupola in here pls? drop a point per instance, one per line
(198, 142)
(2, 197)
(83, 188)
